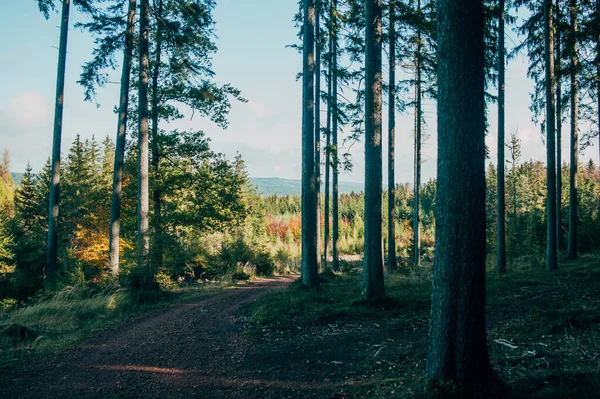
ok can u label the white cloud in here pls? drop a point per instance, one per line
(29, 110)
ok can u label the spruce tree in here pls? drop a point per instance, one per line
(458, 352)
(310, 276)
(373, 286)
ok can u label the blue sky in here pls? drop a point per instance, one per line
(252, 39)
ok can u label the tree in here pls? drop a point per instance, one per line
(551, 261)
(335, 220)
(53, 214)
(392, 264)
(458, 351)
(572, 243)
(114, 231)
(373, 286)
(144, 64)
(501, 232)
(25, 199)
(318, 10)
(559, 118)
(310, 277)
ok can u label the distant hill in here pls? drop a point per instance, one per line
(17, 177)
(275, 185)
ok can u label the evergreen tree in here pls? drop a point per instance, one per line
(310, 277)
(392, 264)
(373, 286)
(458, 351)
(143, 242)
(551, 261)
(25, 199)
(574, 93)
(501, 222)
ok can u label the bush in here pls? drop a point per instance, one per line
(265, 266)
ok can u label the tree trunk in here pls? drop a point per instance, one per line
(458, 352)
(558, 136)
(598, 74)
(392, 264)
(373, 258)
(143, 226)
(310, 270)
(335, 224)
(572, 245)
(551, 261)
(418, 137)
(117, 191)
(52, 259)
(318, 121)
(328, 160)
(157, 247)
(501, 233)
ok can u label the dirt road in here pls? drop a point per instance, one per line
(184, 350)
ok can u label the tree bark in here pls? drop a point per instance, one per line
(458, 353)
(310, 270)
(417, 144)
(335, 223)
(328, 159)
(572, 244)
(373, 258)
(501, 228)
(558, 135)
(551, 261)
(318, 121)
(598, 74)
(143, 203)
(392, 264)
(119, 162)
(53, 213)
(157, 247)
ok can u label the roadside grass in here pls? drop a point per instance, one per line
(51, 322)
(340, 297)
(543, 328)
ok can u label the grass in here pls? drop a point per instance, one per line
(340, 297)
(50, 323)
(543, 327)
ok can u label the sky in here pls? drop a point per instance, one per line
(252, 56)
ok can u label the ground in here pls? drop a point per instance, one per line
(264, 341)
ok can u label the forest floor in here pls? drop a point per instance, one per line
(264, 341)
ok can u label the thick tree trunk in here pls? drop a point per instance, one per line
(392, 264)
(551, 261)
(501, 232)
(572, 244)
(157, 247)
(417, 145)
(373, 258)
(52, 259)
(117, 191)
(559, 113)
(458, 352)
(310, 268)
(318, 121)
(335, 221)
(143, 203)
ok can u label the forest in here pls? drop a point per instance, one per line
(160, 252)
